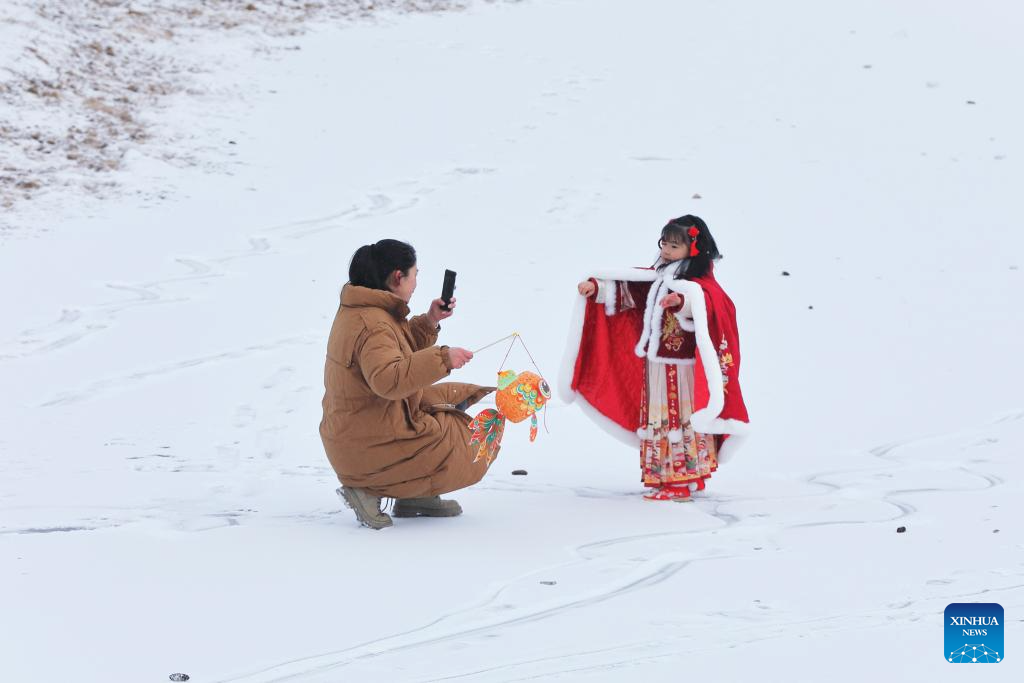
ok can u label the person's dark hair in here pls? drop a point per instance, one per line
(373, 263)
(694, 266)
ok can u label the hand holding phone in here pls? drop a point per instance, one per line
(448, 290)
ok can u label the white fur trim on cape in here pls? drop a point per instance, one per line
(649, 324)
(631, 439)
(707, 420)
(572, 350)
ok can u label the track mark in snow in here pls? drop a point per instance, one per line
(75, 324)
(313, 221)
(101, 386)
(662, 570)
(258, 246)
(659, 159)
(144, 294)
(50, 530)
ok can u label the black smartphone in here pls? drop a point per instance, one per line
(448, 290)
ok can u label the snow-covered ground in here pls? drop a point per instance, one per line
(165, 504)
(80, 81)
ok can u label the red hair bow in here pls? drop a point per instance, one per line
(693, 232)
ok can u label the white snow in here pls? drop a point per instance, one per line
(165, 504)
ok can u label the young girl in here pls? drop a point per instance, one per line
(654, 357)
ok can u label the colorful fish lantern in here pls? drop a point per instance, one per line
(519, 396)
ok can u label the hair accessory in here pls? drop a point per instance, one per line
(693, 232)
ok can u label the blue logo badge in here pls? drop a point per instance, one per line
(974, 633)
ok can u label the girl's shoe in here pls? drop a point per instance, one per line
(700, 485)
(677, 494)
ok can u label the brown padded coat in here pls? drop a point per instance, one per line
(386, 426)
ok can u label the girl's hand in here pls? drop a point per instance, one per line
(587, 288)
(436, 314)
(459, 357)
(672, 300)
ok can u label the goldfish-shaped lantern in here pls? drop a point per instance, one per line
(519, 396)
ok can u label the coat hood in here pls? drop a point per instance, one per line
(354, 296)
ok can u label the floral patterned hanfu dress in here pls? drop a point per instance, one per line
(674, 459)
(671, 452)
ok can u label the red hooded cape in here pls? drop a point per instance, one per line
(610, 341)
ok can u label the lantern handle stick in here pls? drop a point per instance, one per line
(495, 343)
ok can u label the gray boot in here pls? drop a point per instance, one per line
(366, 506)
(426, 507)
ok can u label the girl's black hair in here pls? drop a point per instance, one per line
(373, 263)
(693, 266)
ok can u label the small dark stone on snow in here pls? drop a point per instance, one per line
(549, 583)
(971, 102)
(995, 531)
(179, 677)
(810, 308)
(519, 473)
(901, 530)
(785, 273)
(232, 142)
(697, 196)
